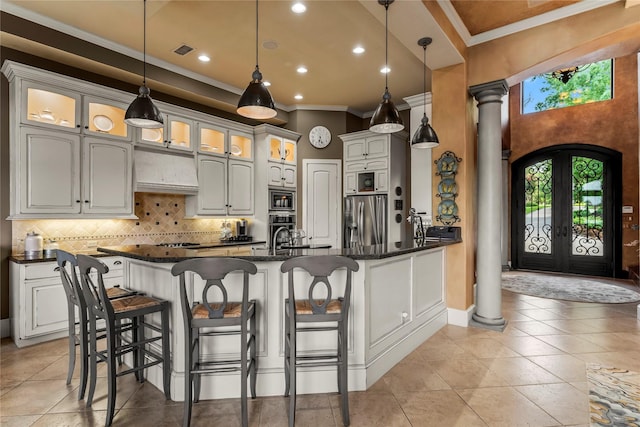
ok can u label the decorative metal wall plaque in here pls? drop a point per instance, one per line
(447, 166)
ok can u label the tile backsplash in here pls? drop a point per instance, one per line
(160, 220)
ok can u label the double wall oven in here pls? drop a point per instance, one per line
(282, 213)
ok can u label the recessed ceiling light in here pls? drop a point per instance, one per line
(298, 97)
(266, 83)
(298, 7)
(204, 58)
(385, 70)
(302, 69)
(358, 50)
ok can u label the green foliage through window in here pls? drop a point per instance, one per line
(591, 84)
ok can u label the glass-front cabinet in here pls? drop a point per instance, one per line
(105, 118)
(224, 142)
(177, 133)
(50, 107)
(282, 150)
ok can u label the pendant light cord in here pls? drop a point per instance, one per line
(386, 46)
(424, 80)
(257, 34)
(144, 46)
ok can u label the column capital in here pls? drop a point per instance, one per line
(495, 88)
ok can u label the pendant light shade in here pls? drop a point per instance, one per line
(142, 112)
(386, 118)
(256, 101)
(425, 136)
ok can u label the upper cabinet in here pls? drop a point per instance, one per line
(366, 147)
(220, 141)
(105, 118)
(176, 134)
(282, 150)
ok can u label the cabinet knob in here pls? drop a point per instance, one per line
(78, 126)
(86, 127)
(86, 201)
(117, 263)
(56, 269)
(77, 201)
(405, 316)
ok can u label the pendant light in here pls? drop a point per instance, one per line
(256, 101)
(425, 136)
(386, 118)
(142, 112)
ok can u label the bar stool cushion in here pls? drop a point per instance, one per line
(304, 306)
(233, 309)
(131, 303)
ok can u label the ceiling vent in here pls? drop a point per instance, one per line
(183, 49)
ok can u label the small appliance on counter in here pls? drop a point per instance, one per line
(50, 248)
(33, 244)
(242, 228)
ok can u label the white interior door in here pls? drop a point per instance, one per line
(322, 202)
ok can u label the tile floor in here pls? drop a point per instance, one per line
(532, 374)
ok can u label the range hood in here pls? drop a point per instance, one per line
(164, 173)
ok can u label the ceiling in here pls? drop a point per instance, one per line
(321, 39)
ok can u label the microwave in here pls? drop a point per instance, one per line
(282, 200)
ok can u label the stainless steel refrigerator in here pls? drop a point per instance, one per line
(365, 220)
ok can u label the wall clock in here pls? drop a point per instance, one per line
(319, 136)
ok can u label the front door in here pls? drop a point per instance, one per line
(564, 199)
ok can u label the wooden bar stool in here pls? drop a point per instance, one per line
(210, 314)
(319, 306)
(79, 328)
(112, 311)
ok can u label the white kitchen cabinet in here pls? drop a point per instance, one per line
(107, 177)
(282, 150)
(49, 106)
(366, 147)
(374, 163)
(38, 302)
(105, 117)
(221, 141)
(176, 134)
(282, 175)
(226, 187)
(53, 181)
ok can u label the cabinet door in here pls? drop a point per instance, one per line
(354, 150)
(212, 139)
(354, 166)
(350, 183)
(376, 164)
(275, 149)
(240, 145)
(50, 107)
(105, 117)
(289, 152)
(240, 188)
(46, 307)
(382, 180)
(49, 167)
(377, 146)
(212, 180)
(179, 132)
(289, 176)
(275, 174)
(106, 177)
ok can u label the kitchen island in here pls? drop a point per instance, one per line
(397, 302)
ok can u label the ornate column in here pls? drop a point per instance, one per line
(489, 219)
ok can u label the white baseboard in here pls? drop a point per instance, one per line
(5, 328)
(460, 317)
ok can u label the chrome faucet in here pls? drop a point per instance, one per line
(274, 243)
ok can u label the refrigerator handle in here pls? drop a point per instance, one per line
(360, 222)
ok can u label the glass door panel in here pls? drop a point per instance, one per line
(153, 135)
(241, 146)
(538, 196)
(275, 145)
(180, 134)
(212, 140)
(587, 223)
(289, 151)
(106, 120)
(51, 108)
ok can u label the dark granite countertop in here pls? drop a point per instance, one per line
(22, 259)
(159, 254)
